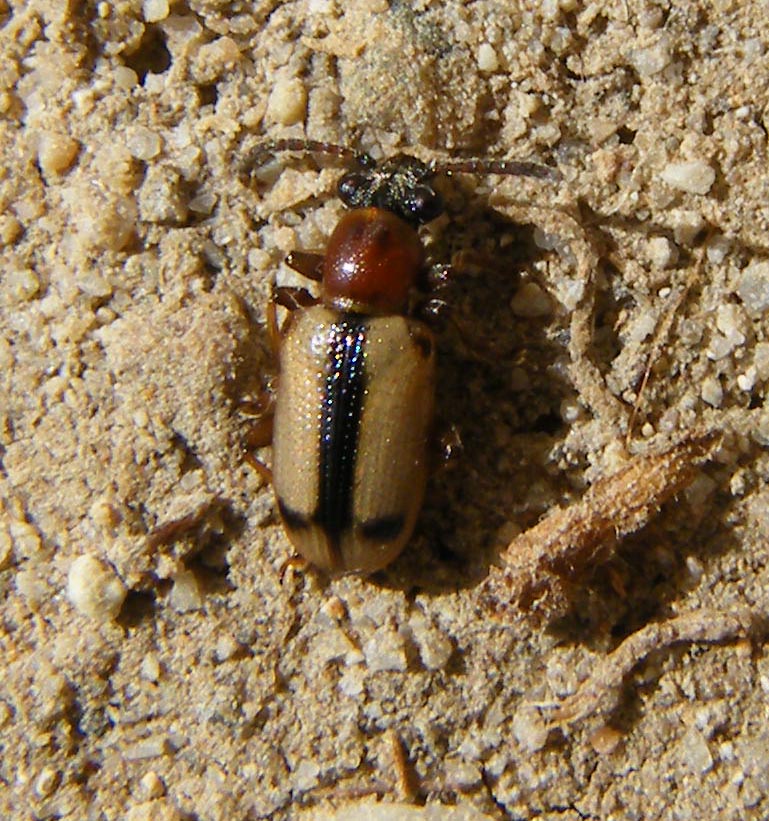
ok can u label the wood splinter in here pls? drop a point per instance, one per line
(539, 564)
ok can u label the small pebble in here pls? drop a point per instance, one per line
(530, 301)
(661, 252)
(94, 588)
(712, 392)
(529, 728)
(47, 782)
(487, 59)
(696, 754)
(143, 143)
(56, 152)
(151, 785)
(687, 225)
(185, 594)
(753, 288)
(651, 60)
(385, 650)
(154, 11)
(605, 740)
(694, 177)
(435, 648)
(150, 667)
(287, 104)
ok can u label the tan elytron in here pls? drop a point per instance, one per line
(357, 516)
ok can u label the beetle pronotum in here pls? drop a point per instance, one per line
(354, 408)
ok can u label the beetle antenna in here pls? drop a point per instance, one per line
(510, 167)
(268, 148)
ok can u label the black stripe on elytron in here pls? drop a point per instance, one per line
(340, 423)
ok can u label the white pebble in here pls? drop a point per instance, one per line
(150, 667)
(717, 248)
(143, 143)
(226, 647)
(487, 59)
(287, 104)
(696, 754)
(694, 568)
(153, 746)
(753, 288)
(162, 198)
(185, 594)
(529, 728)
(94, 588)
(26, 540)
(661, 252)
(351, 682)
(747, 381)
(306, 775)
(651, 60)
(694, 177)
(686, 225)
(462, 775)
(435, 648)
(712, 392)
(155, 10)
(125, 78)
(761, 359)
(385, 650)
(731, 321)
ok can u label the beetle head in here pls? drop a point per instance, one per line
(400, 184)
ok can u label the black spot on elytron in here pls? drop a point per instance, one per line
(292, 519)
(384, 529)
(423, 341)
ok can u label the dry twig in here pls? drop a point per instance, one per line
(538, 564)
(600, 692)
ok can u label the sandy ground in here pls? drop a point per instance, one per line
(160, 660)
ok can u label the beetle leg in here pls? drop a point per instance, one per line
(259, 435)
(261, 407)
(259, 432)
(259, 467)
(436, 276)
(293, 298)
(450, 446)
(292, 563)
(306, 263)
(273, 329)
(445, 448)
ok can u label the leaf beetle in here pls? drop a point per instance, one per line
(353, 414)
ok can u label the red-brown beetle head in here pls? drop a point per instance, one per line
(372, 262)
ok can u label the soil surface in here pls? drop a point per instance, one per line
(161, 656)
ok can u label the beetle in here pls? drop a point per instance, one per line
(356, 380)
